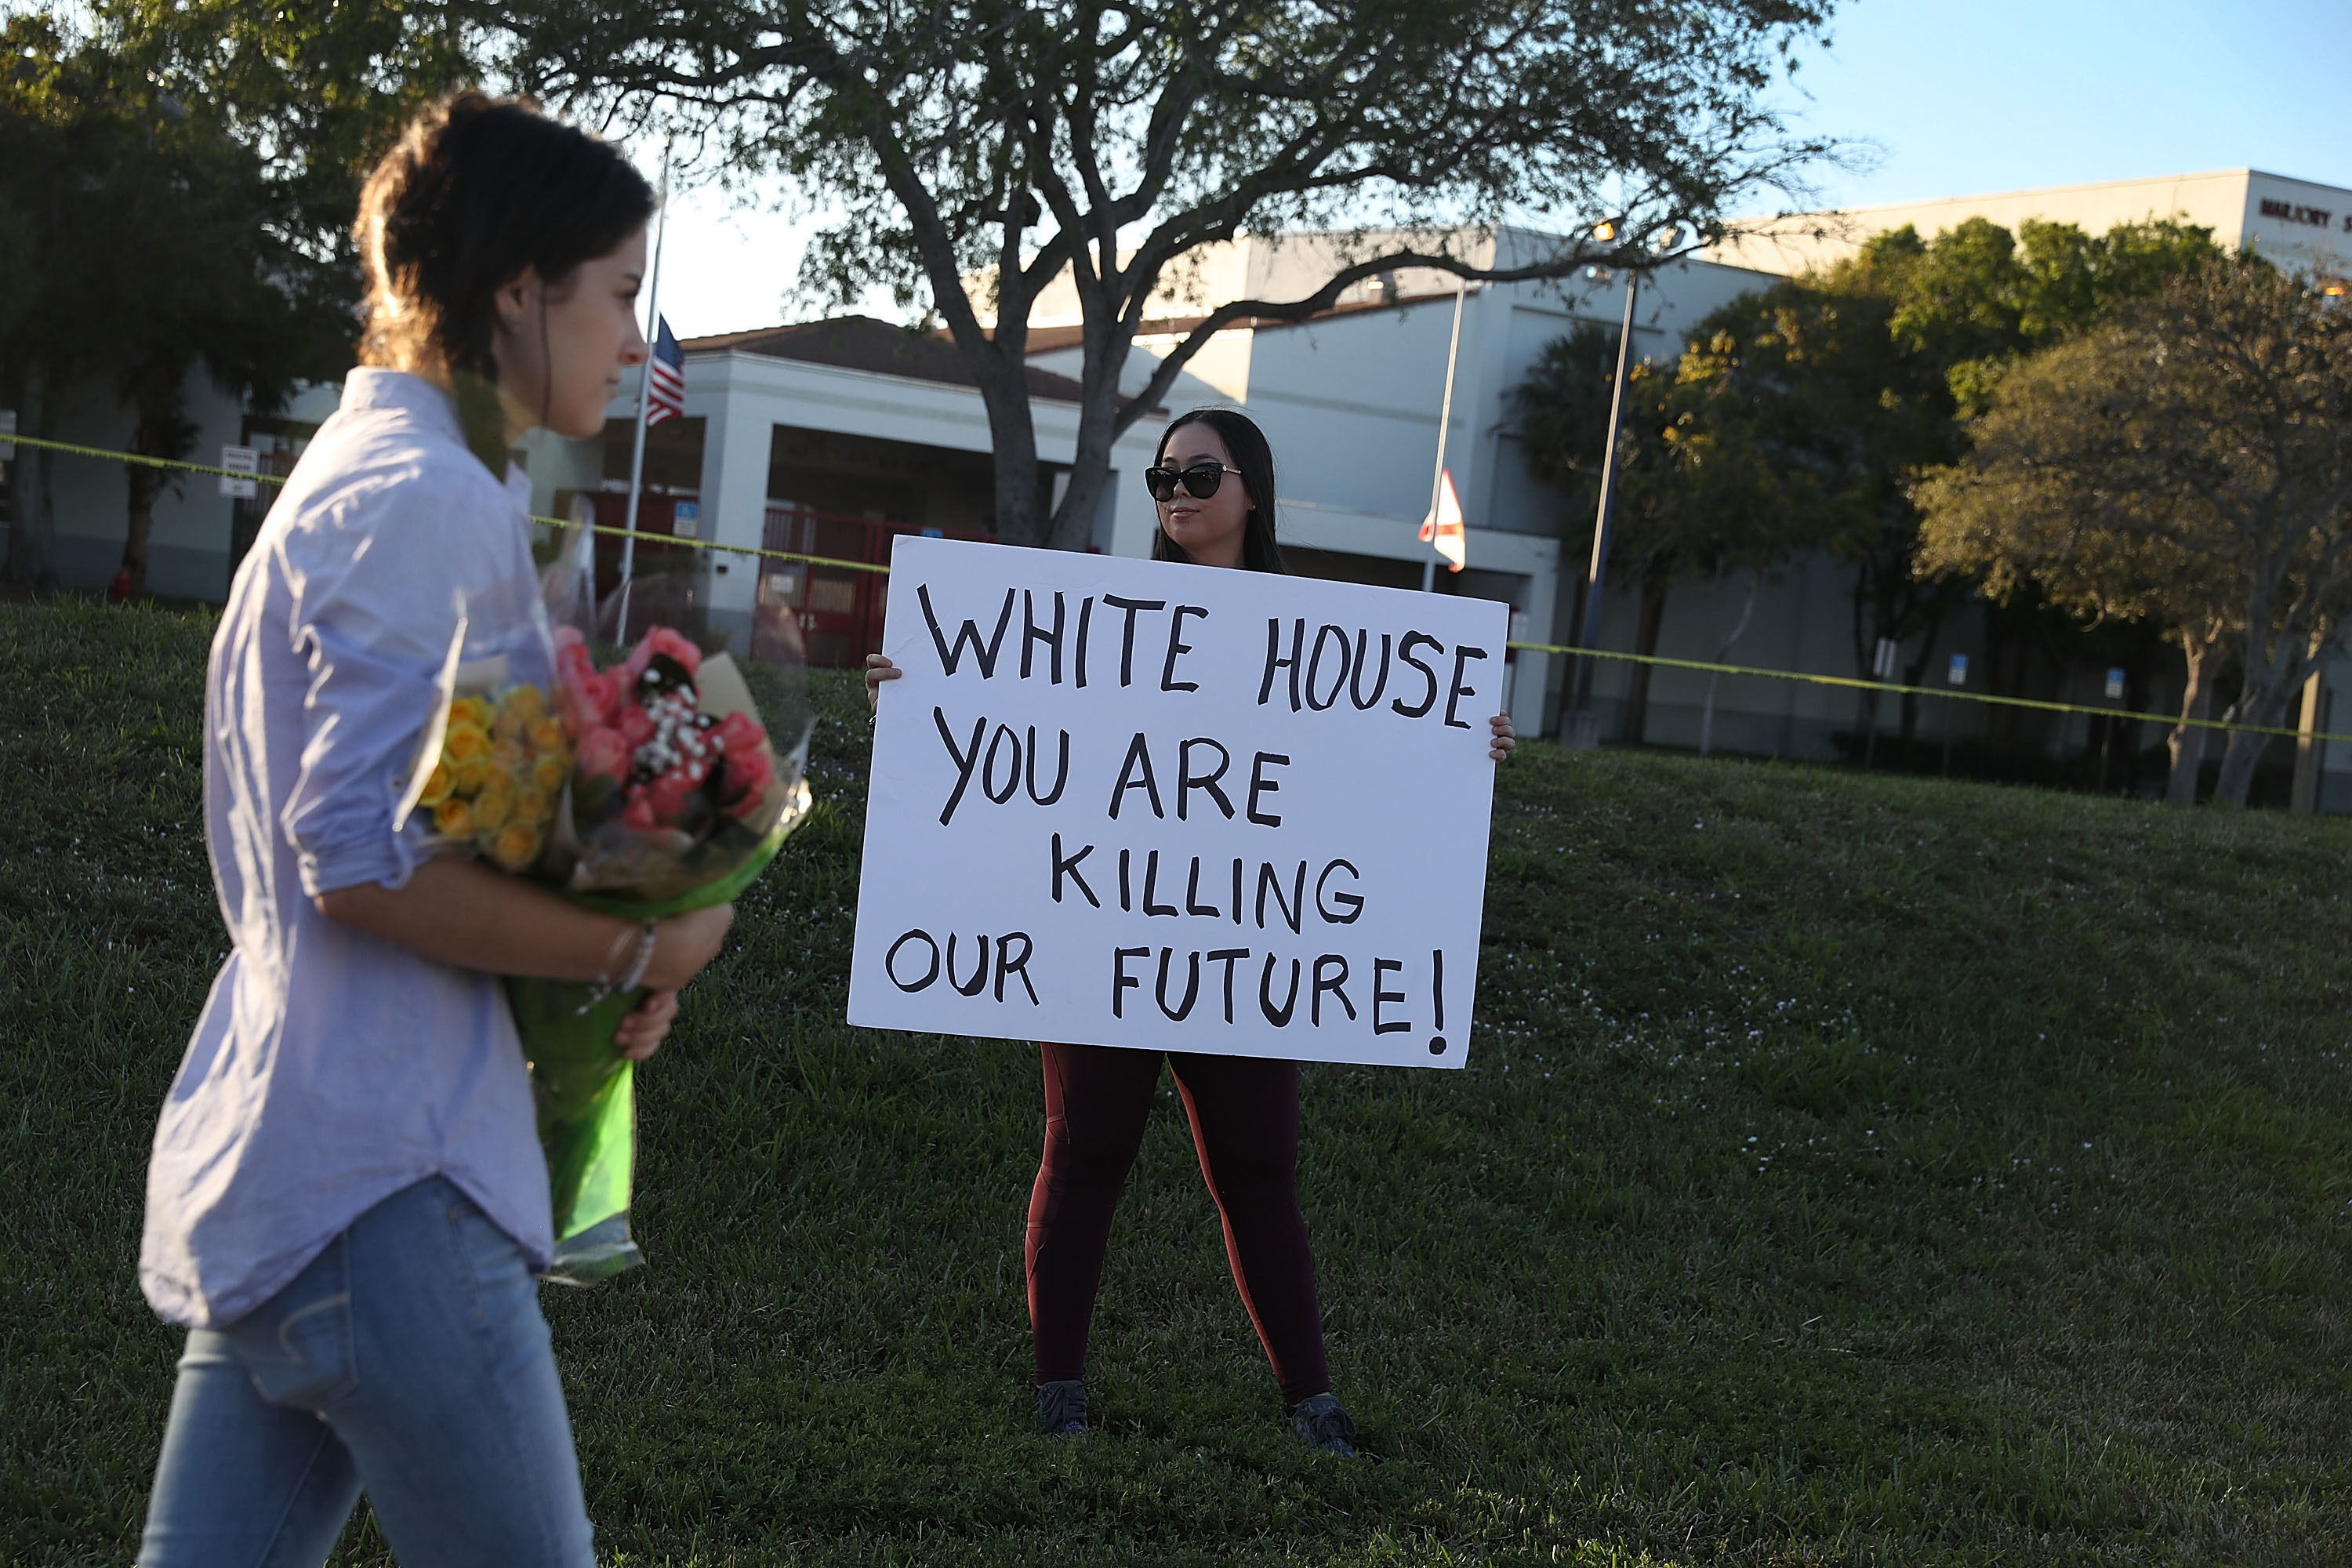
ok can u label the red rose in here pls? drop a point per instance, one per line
(668, 794)
(604, 753)
(662, 640)
(589, 698)
(740, 733)
(748, 777)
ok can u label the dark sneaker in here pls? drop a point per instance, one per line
(1321, 1424)
(1062, 1409)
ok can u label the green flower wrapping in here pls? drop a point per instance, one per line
(584, 1090)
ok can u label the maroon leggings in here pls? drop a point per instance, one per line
(1244, 1115)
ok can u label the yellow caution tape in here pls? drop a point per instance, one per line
(184, 466)
(1945, 693)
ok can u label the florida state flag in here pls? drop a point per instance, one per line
(1443, 526)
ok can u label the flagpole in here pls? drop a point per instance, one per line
(645, 397)
(1444, 419)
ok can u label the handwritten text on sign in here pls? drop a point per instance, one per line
(1127, 803)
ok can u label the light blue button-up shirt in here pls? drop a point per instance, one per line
(330, 1069)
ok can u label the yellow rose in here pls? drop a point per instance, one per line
(524, 702)
(534, 806)
(509, 729)
(492, 808)
(437, 786)
(547, 774)
(470, 710)
(516, 848)
(469, 775)
(547, 735)
(511, 755)
(453, 818)
(464, 742)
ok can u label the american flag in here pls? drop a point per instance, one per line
(665, 377)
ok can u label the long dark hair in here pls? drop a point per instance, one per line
(1254, 458)
(476, 191)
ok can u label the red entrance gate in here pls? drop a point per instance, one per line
(838, 609)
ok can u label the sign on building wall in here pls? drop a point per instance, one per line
(1128, 803)
(240, 460)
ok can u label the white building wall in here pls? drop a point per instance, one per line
(188, 549)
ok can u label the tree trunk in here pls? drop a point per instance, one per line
(32, 514)
(2239, 760)
(1072, 525)
(1019, 519)
(1722, 652)
(2270, 690)
(144, 484)
(1917, 675)
(1646, 642)
(1866, 726)
(2188, 740)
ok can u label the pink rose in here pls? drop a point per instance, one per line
(589, 697)
(604, 753)
(572, 675)
(740, 733)
(668, 794)
(748, 777)
(662, 640)
(639, 814)
(636, 726)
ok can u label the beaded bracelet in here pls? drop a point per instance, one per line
(641, 958)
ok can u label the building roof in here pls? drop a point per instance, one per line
(862, 342)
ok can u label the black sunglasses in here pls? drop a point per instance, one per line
(1201, 480)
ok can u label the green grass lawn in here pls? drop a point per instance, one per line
(1849, 1169)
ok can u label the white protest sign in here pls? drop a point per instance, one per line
(240, 461)
(1129, 803)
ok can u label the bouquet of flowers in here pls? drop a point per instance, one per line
(646, 789)
(677, 801)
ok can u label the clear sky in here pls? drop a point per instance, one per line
(1964, 96)
(1959, 96)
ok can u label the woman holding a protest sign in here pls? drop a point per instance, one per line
(1213, 483)
(347, 1199)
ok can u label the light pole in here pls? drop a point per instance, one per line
(1580, 729)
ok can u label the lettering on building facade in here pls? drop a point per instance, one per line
(2289, 212)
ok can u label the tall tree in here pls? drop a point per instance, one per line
(2190, 465)
(1836, 400)
(1703, 492)
(980, 149)
(186, 176)
(1860, 375)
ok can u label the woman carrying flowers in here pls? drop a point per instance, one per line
(347, 1200)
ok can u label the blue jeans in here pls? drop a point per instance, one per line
(409, 1360)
